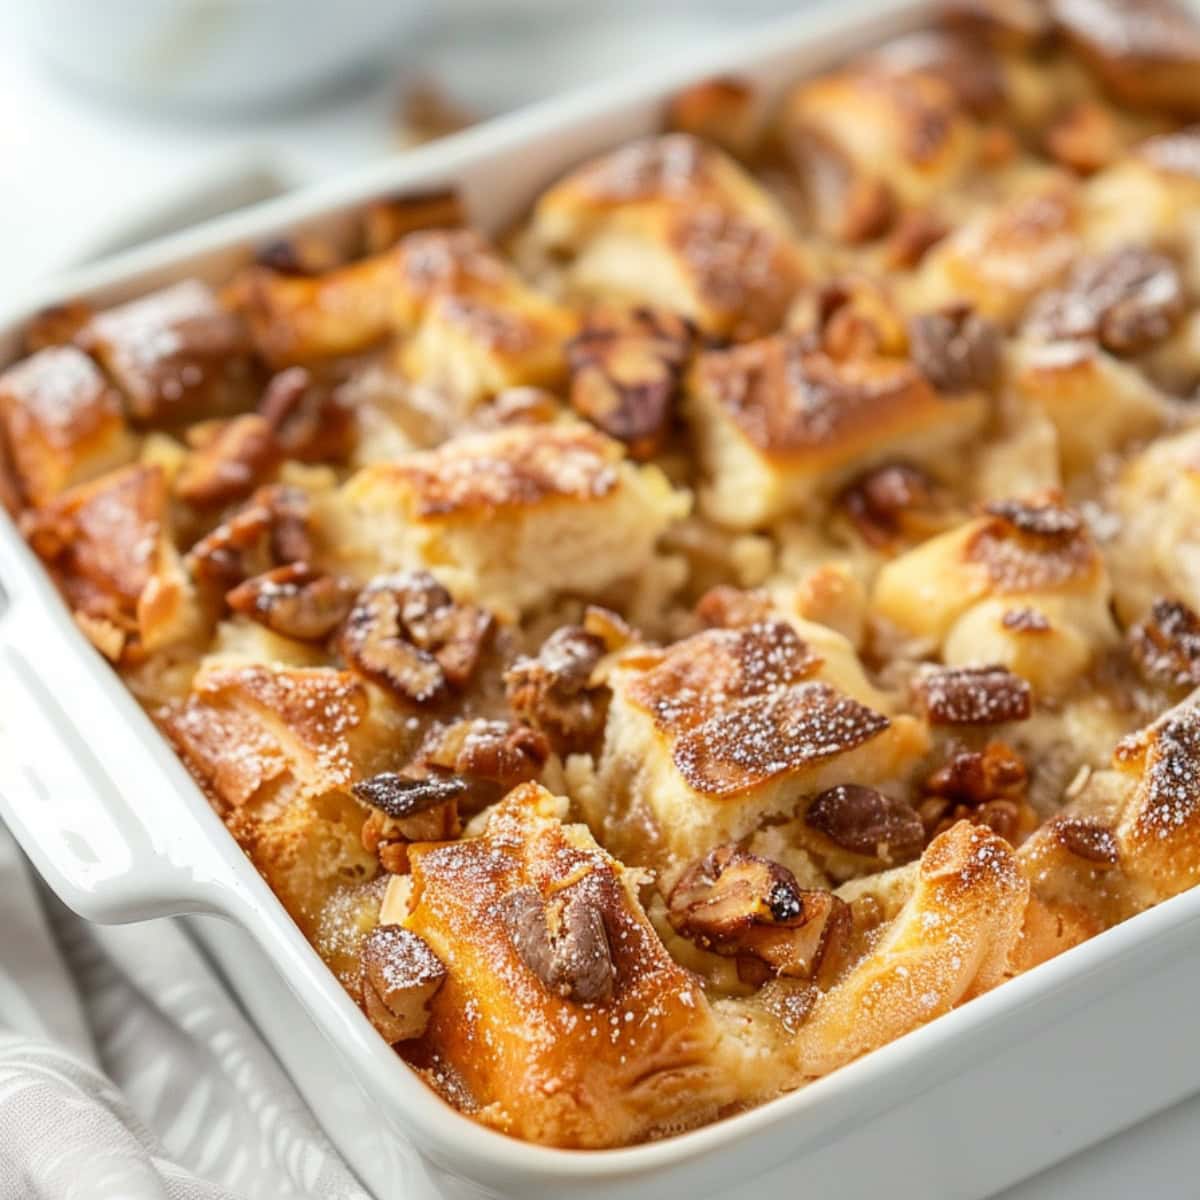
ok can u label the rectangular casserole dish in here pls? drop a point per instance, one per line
(979, 1099)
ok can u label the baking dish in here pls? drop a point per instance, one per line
(976, 1100)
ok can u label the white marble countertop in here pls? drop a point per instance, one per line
(81, 172)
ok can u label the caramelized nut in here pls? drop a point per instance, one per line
(972, 695)
(553, 691)
(1166, 645)
(295, 601)
(894, 503)
(400, 976)
(229, 460)
(956, 349)
(1087, 839)
(310, 421)
(985, 787)
(399, 796)
(489, 757)
(625, 375)
(865, 821)
(1127, 300)
(575, 960)
(743, 906)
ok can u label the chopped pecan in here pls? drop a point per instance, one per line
(270, 530)
(407, 809)
(553, 691)
(1087, 839)
(406, 632)
(985, 787)
(389, 218)
(489, 757)
(971, 695)
(400, 976)
(727, 607)
(956, 349)
(399, 796)
(743, 906)
(1165, 646)
(865, 821)
(563, 941)
(893, 504)
(311, 421)
(625, 374)
(229, 460)
(1127, 300)
(295, 600)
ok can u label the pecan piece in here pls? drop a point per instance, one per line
(971, 695)
(955, 348)
(572, 960)
(553, 691)
(1127, 301)
(407, 809)
(489, 757)
(400, 976)
(295, 600)
(727, 607)
(865, 821)
(893, 504)
(1087, 839)
(228, 461)
(406, 633)
(743, 906)
(985, 787)
(1165, 646)
(1085, 137)
(625, 375)
(310, 421)
(399, 796)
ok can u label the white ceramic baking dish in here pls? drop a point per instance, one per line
(980, 1098)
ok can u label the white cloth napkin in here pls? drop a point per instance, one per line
(127, 1071)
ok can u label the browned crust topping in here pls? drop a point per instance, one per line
(780, 732)
(972, 695)
(444, 261)
(1166, 645)
(626, 373)
(717, 110)
(399, 796)
(1127, 300)
(1031, 545)
(515, 468)
(669, 167)
(310, 421)
(957, 350)
(295, 601)
(790, 402)
(725, 607)
(866, 821)
(750, 908)
(491, 757)
(563, 941)
(57, 395)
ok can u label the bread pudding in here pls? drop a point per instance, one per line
(746, 610)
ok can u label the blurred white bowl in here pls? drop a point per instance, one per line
(217, 54)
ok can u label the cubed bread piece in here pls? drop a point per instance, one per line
(1156, 548)
(673, 222)
(1096, 402)
(780, 426)
(176, 354)
(1023, 586)
(711, 735)
(952, 940)
(62, 421)
(512, 518)
(108, 544)
(1000, 259)
(276, 750)
(562, 1016)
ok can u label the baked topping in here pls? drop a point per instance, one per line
(746, 907)
(865, 821)
(399, 797)
(956, 349)
(1166, 645)
(400, 976)
(972, 695)
(562, 940)
(295, 600)
(625, 375)
(554, 691)
(1127, 300)
(1032, 545)
(407, 633)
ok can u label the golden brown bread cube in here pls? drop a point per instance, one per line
(780, 426)
(562, 1016)
(674, 223)
(514, 517)
(707, 737)
(63, 422)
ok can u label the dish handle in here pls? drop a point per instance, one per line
(87, 785)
